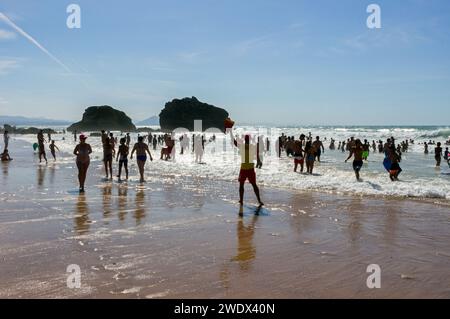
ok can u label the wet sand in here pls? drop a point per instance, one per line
(181, 237)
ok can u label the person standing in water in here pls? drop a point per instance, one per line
(41, 141)
(6, 140)
(310, 155)
(107, 157)
(298, 154)
(82, 151)
(319, 149)
(122, 157)
(128, 140)
(447, 155)
(53, 147)
(141, 150)
(394, 157)
(248, 154)
(112, 141)
(438, 154)
(425, 145)
(357, 151)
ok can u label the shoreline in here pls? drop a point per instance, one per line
(438, 200)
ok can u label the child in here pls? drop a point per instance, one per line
(122, 156)
(52, 149)
(5, 156)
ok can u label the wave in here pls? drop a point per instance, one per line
(445, 133)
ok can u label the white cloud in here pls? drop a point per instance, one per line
(6, 65)
(3, 101)
(6, 35)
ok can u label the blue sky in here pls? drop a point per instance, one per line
(265, 61)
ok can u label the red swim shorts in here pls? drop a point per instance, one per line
(249, 174)
(299, 161)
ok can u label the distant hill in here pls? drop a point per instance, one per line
(24, 121)
(96, 118)
(154, 120)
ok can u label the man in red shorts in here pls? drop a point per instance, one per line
(248, 156)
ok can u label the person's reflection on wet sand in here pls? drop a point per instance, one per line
(122, 202)
(107, 201)
(140, 206)
(356, 210)
(52, 174)
(41, 175)
(246, 251)
(82, 222)
(5, 166)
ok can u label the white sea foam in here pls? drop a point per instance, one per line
(419, 178)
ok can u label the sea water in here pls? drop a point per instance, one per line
(420, 177)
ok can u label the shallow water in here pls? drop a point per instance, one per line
(420, 177)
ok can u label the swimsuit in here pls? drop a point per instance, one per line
(142, 158)
(357, 165)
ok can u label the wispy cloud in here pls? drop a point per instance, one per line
(6, 35)
(190, 56)
(383, 38)
(3, 101)
(246, 46)
(8, 21)
(8, 64)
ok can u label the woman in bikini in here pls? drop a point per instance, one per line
(82, 151)
(141, 149)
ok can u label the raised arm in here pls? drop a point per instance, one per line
(232, 138)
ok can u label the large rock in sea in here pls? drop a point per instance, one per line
(96, 118)
(182, 113)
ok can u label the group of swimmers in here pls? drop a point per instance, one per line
(304, 150)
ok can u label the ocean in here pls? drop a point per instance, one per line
(420, 178)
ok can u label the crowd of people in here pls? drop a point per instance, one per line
(305, 152)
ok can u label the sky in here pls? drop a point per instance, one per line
(283, 62)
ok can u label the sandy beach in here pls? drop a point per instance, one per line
(181, 237)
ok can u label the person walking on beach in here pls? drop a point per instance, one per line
(318, 146)
(198, 148)
(122, 157)
(141, 150)
(299, 154)
(112, 141)
(247, 171)
(366, 149)
(41, 140)
(357, 151)
(53, 147)
(394, 157)
(108, 157)
(82, 151)
(310, 155)
(5, 140)
(438, 154)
